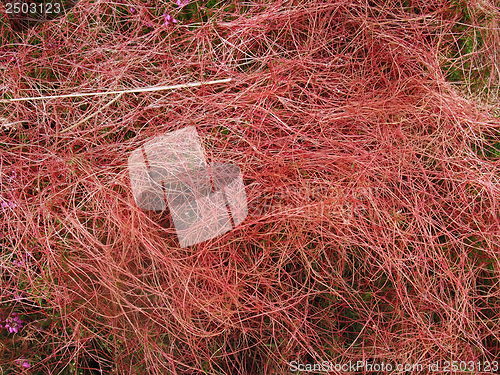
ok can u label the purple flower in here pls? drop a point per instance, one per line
(23, 362)
(13, 323)
(132, 9)
(20, 260)
(182, 3)
(169, 20)
(10, 204)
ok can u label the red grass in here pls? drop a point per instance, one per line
(373, 227)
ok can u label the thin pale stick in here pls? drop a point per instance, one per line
(143, 89)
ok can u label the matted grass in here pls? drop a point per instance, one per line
(371, 171)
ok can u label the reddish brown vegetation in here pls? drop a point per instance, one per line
(373, 227)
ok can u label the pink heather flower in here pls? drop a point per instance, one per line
(23, 362)
(182, 3)
(169, 20)
(13, 324)
(8, 204)
(17, 263)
